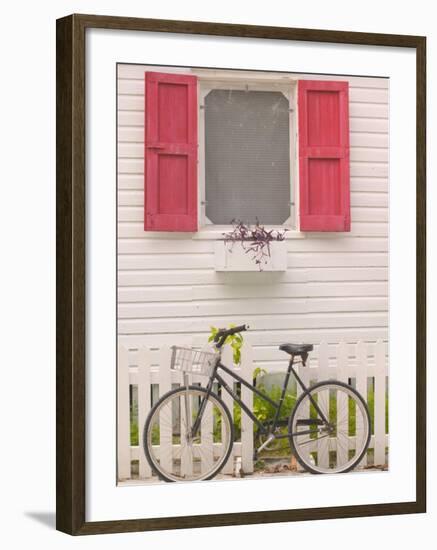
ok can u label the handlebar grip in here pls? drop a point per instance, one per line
(241, 328)
(224, 333)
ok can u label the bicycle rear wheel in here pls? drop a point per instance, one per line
(173, 452)
(337, 445)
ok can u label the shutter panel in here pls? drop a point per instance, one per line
(324, 188)
(170, 155)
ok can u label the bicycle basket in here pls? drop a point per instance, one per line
(191, 360)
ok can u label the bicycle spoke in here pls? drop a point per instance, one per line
(175, 454)
(313, 440)
(335, 450)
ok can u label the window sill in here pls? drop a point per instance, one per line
(216, 233)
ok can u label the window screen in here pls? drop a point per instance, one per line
(247, 157)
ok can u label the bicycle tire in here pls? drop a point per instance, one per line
(152, 459)
(303, 459)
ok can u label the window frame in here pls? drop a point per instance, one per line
(287, 85)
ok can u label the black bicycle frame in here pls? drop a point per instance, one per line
(264, 428)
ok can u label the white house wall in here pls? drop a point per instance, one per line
(335, 287)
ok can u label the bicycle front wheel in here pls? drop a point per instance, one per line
(172, 450)
(329, 428)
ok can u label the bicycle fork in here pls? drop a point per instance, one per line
(196, 426)
(187, 406)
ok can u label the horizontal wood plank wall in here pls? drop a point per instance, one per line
(335, 287)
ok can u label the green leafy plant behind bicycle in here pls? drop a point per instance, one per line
(234, 340)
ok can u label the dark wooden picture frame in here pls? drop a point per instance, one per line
(71, 284)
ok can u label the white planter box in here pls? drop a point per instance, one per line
(232, 257)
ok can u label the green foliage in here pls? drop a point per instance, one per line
(234, 340)
(134, 433)
(371, 405)
(263, 410)
(237, 421)
(258, 372)
(134, 436)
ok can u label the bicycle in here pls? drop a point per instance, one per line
(189, 433)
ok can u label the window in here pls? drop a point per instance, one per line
(247, 156)
(222, 150)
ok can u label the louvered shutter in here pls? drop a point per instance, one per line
(324, 187)
(170, 171)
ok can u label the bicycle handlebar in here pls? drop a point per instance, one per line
(224, 333)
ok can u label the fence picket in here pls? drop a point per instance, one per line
(123, 411)
(228, 401)
(342, 400)
(306, 375)
(186, 411)
(144, 395)
(165, 432)
(323, 443)
(379, 400)
(207, 438)
(361, 383)
(246, 422)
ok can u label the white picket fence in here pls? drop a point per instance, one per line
(147, 367)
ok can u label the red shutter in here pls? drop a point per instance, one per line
(324, 187)
(170, 155)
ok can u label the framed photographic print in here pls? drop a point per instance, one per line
(240, 274)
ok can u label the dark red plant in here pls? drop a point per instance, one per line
(255, 240)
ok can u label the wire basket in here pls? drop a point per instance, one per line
(194, 361)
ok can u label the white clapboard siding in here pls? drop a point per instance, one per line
(356, 363)
(212, 309)
(294, 260)
(237, 291)
(272, 306)
(367, 125)
(312, 242)
(136, 72)
(141, 278)
(279, 322)
(361, 91)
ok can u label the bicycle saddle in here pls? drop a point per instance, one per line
(296, 349)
